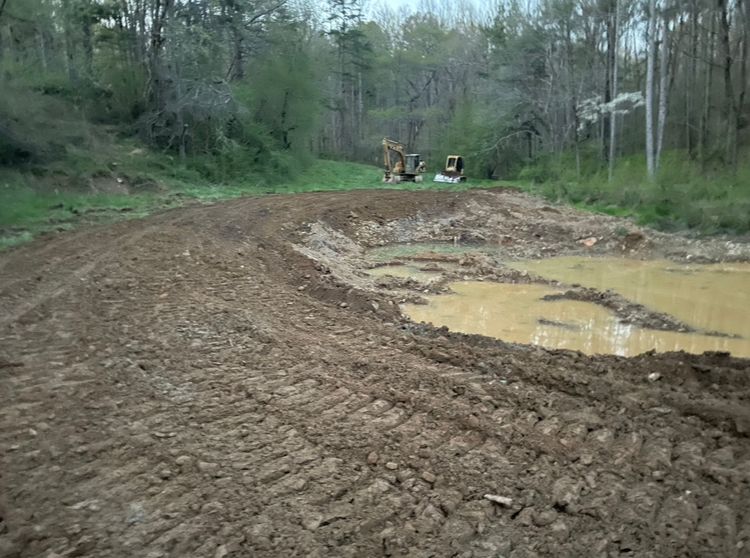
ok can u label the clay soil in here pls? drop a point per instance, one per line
(227, 381)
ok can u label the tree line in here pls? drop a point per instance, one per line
(253, 83)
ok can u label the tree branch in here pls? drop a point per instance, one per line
(419, 93)
(502, 139)
(264, 13)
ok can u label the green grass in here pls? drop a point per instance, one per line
(26, 212)
(682, 196)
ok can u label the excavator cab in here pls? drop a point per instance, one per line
(412, 163)
(453, 172)
(455, 163)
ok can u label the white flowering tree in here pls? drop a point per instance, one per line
(593, 110)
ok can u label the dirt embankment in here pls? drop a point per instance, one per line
(227, 381)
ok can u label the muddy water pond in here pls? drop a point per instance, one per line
(707, 297)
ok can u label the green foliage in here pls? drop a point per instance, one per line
(682, 196)
(35, 127)
(119, 98)
(540, 172)
(282, 98)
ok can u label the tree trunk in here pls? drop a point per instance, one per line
(238, 63)
(237, 68)
(744, 15)
(142, 41)
(651, 38)
(69, 46)
(572, 87)
(615, 72)
(42, 48)
(609, 77)
(161, 12)
(360, 108)
(88, 46)
(693, 81)
(730, 146)
(663, 90)
(708, 57)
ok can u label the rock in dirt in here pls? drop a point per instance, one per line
(565, 492)
(208, 468)
(544, 517)
(589, 242)
(501, 500)
(427, 476)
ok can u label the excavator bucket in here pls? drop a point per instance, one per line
(440, 177)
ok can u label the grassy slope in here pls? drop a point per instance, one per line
(683, 196)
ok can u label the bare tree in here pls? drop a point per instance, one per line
(651, 56)
(663, 88)
(615, 76)
(730, 108)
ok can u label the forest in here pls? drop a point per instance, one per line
(620, 105)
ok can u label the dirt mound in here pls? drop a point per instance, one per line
(227, 381)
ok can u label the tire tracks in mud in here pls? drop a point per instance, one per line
(182, 404)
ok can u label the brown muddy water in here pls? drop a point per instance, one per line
(713, 297)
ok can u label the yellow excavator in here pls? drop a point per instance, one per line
(453, 172)
(400, 166)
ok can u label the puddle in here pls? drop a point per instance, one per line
(708, 297)
(405, 272)
(713, 297)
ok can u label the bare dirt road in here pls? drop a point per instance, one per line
(226, 381)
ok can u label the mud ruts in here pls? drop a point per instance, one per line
(192, 385)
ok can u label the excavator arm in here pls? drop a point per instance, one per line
(393, 147)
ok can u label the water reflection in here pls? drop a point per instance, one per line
(713, 297)
(517, 313)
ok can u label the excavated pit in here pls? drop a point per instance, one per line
(614, 298)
